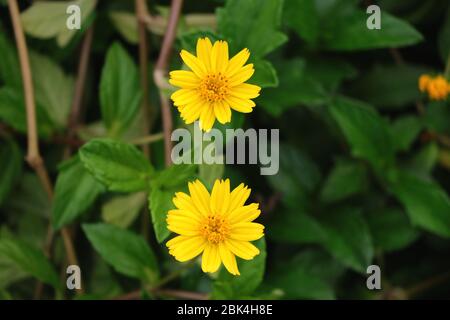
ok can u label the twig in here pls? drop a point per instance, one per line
(160, 71)
(427, 284)
(141, 9)
(33, 154)
(148, 139)
(180, 294)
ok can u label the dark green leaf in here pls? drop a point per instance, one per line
(303, 18)
(123, 210)
(125, 251)
(119, 166)
(366, 132)
(29, 260)
(404, 131)
(426, 203)
(9, 63)
(391, 229)
(348, 238)
(346, 179)
(228, 286)
(120, 93)
(75, 191)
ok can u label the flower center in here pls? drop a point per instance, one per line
(214, 87)
(215, 229)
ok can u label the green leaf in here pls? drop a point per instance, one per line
(398, 93)
(346, 30)
(437, 114)
(348, 238)
(11, 160)
(391, 229)
(296, 88)
(228, 286)
(346, 179)
(189, 40)
(12, 111)
(303, 18)
(119, 166)
(308, 275)
(53, 88)
(29, 260)
(126, 25)
(295, 226)
(47, 19)
(404, 131)
(160, 202)
(265, 74)
(365, 130)
(121, 211)
(75, 191)
(120, 93)
(9, 63)
(296, 186)
(246, 23)
(426, 203)
(124, 250)
(163, 188)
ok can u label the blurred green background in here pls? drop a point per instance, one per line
(364, 157)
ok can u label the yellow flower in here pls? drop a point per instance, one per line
(437, 88)
(215, 85)
(218, 225)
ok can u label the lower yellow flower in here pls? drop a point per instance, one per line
(218, 225)
(437, 88)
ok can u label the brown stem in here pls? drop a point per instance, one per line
(33, 154)
(427, 284)
(161, 70)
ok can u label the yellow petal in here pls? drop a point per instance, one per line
(220, 196)
(184, 202)
(228, 259)
(243, 249)
(242, 75)
(240, 105)
(194, 63)
(219, 56)
(200, 196)
(246, 231)
(185, 213)
(245, 91)
(210, 258)
(245, 214)
(236, 63)
(204, 47)
(187, 248)
(222, 112)
(238, 197)
(183, 228)
(184, 96)
(207, 118)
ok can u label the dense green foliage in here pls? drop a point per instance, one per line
(364, 157)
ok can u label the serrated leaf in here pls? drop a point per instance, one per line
(121, 211)
(259, 18)
(53, 88)
(119, 166)
(391, 230)
(347, 30)
(124, 250)
(365, 130)
(346, 179)
(75, 191)
(12, 111)
(47, 19)
(120, 93)
(228, 286)
(29, 260)
(348, 238)
(426, 203)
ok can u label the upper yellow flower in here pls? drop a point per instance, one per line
(219, 225)
(214, 85)
(437, 88)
